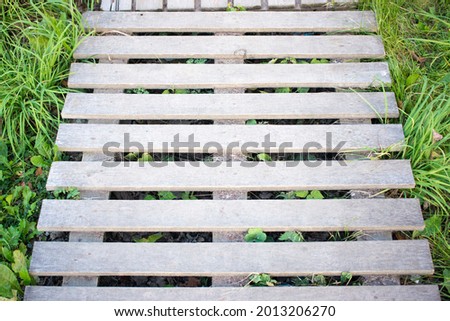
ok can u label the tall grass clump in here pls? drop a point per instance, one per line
(37, 42)
(417, 42)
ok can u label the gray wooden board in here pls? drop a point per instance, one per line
(231, 21)
(170, 76)
(231, 106)
(230, 138)
(225, 47)
(303, 293)
(231, 215)
(248, 176)
(222, 259)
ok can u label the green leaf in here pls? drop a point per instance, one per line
(316, 195)
(346, 277)
(284, 90)
(146, 157)
(188, 196)
(251, 122)
(301, 194)
(264, 157)
(447, 279)
(149, 197)
(255, 235)
(131, 156)
(432, 226)
(302, 90)
(262, 280)
(166, 196)
(20, 266)
(150, 239)
(412, 79)
(319, 280)
(292, 236)
(8, 282)
(38, 161)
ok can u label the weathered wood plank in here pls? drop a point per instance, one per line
(306, 293)
(231, 106)
(214, 47)
(235, 215)
(204, 176)
(222, 259)
(169, 76)
(230, 138)
(130, 22)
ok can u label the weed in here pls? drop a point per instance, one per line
(292, 236)
(310, 195)
(232, 8)
(262, 280)
(255, 235)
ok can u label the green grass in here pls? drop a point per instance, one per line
(37, 40)
(417, 42)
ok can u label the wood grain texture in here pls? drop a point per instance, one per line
(231, 215)
(303, 293)
(231, 106)
(214, 47)
(170, 76)
(230, 138)
(130, 22)
(247, 176)
(223, 259)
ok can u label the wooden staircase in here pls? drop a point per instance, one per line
(354, 91)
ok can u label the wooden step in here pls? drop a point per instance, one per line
(212, 176)
(231, 106)
(236, 215)
(302, 293)
(125, 5)
(222, 259)
(248, 47)
(130, 22)
(216, 139)
(170, 76)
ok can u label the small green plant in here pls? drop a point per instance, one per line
(152, 238)
(197, 61)
(138, 91)
(251, 122)
(255, 235)
(232, 8)
(176, 91)
(69, 193)
(262, 280)
(168, 196)
(346, 277)
(310, 195)
(264, 157)
(292, 236)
